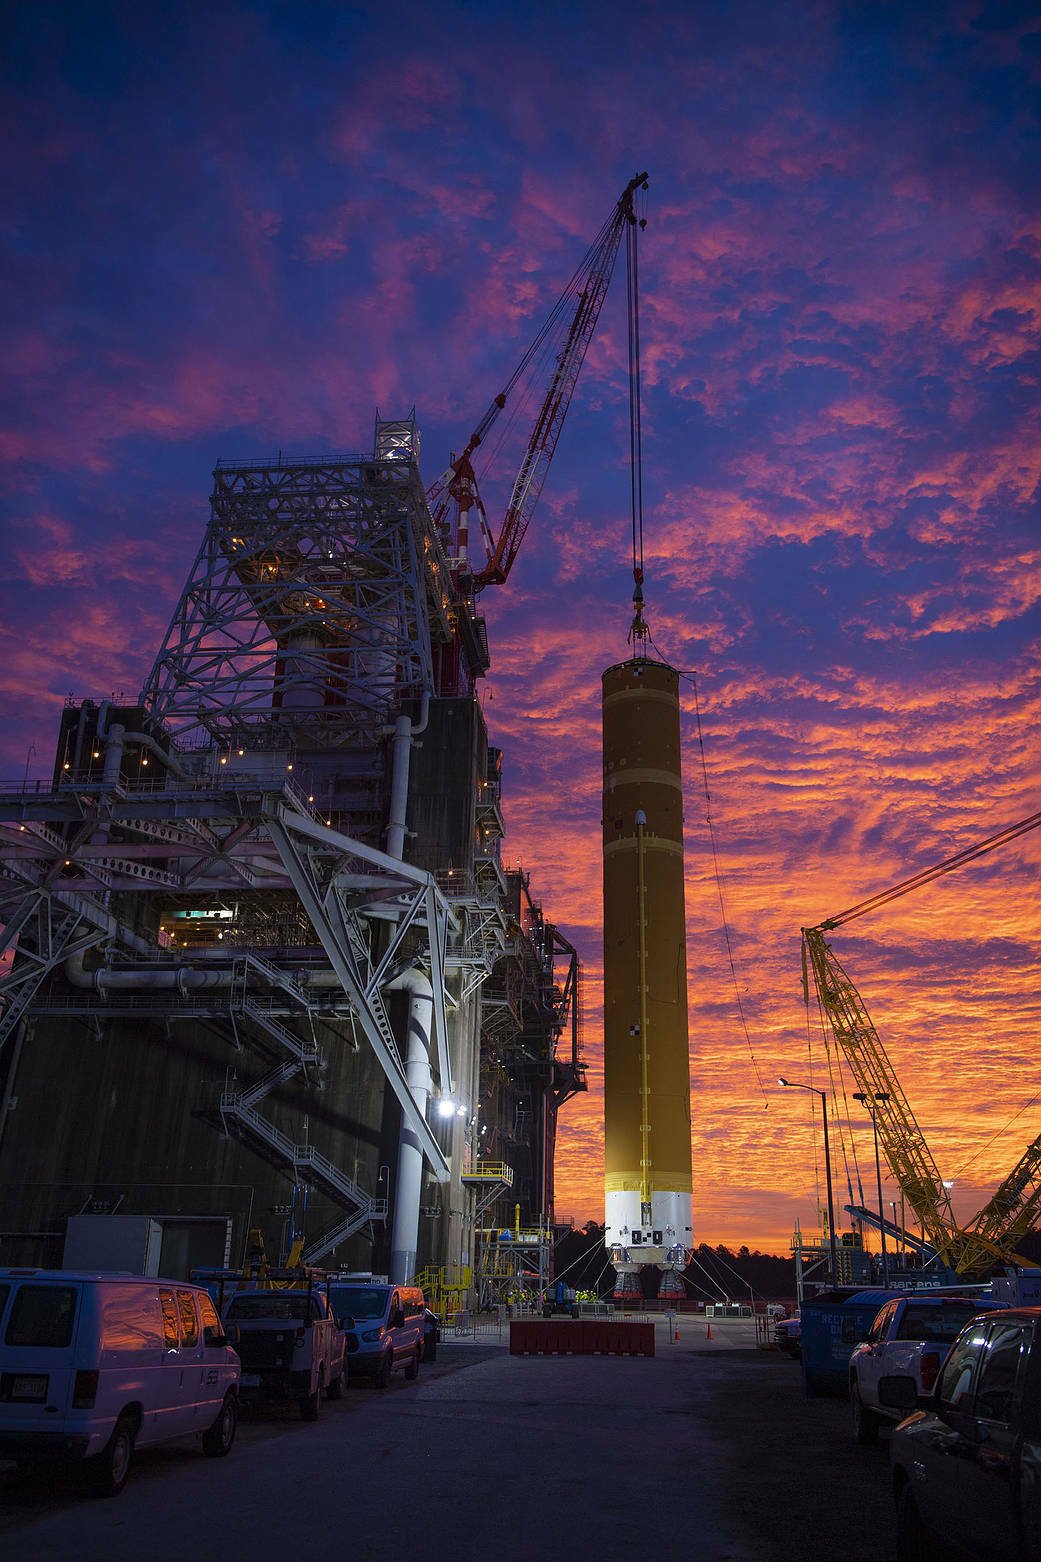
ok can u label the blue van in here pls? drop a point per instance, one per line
(385, 1327)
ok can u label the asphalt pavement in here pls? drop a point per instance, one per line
(710, 1446)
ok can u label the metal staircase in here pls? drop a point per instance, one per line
(308, 1164)
(489, 1180)
(267, 1082)
(304, 1050)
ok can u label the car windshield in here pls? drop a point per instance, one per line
(361, 1301)
(269, 1305)
(940, 1323)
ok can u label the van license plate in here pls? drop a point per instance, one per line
(23, 1387)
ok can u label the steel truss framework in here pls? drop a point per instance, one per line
(513, 1267)
(1011, 1212)
(68, 854)
(312, 608)
(315, 611)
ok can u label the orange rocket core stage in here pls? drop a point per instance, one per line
(646, 1063)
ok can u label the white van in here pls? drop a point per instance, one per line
(94, 1365)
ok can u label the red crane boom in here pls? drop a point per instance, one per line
(559, 350)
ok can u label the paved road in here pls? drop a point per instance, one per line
(709, 1447)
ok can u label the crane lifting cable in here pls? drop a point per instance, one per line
(638, 632)
(554, 360)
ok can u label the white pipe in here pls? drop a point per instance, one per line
(113, 740)
(424, 714)
(177, 977)
(403, 733)
(408, 1189)
(141, 738)
(401, 755)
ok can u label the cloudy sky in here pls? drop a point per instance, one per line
(236, 229)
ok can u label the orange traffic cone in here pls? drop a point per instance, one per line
(677, 1333)
(708, 1332)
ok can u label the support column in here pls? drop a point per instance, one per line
(408, 1188)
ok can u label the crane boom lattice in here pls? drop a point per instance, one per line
(859, 1043)
(552, 363)
(1013, 1209)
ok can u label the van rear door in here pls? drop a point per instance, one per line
(38, 1320)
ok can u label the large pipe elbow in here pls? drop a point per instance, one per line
(411, 980)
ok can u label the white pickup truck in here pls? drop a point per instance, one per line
(290, 1344)
(910, 1337)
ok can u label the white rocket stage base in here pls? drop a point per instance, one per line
(664, 1239)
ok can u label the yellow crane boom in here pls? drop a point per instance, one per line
(1013, 1209)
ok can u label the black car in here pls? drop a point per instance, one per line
(966, 1466)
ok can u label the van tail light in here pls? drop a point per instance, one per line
(84, 1391)
(930, 1363)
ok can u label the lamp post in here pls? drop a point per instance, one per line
(791, 1085)
(869, 1102)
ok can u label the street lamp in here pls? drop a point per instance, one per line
(869, 1102)
(791, 1085)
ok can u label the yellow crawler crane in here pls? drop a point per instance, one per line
(967, 1251)
(1012, 1211)
(1014, 1208)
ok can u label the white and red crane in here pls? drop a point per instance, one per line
(548, 370)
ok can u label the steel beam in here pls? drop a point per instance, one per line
(340, 958)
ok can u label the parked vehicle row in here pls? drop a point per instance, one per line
(959, 1379)
(788, 1336)
(290, 1344)
(386, 1328)
(94, 1366)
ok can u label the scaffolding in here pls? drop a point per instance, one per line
(514, 1266)
(208, 867)
(207, 855)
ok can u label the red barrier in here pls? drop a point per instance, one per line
(581, 1337)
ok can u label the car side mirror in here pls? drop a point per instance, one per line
(397, 1319)
(346, 1322)
(898, 1393)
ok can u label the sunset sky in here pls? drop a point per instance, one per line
(231, 230)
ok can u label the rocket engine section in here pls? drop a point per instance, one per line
(648, 1206)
